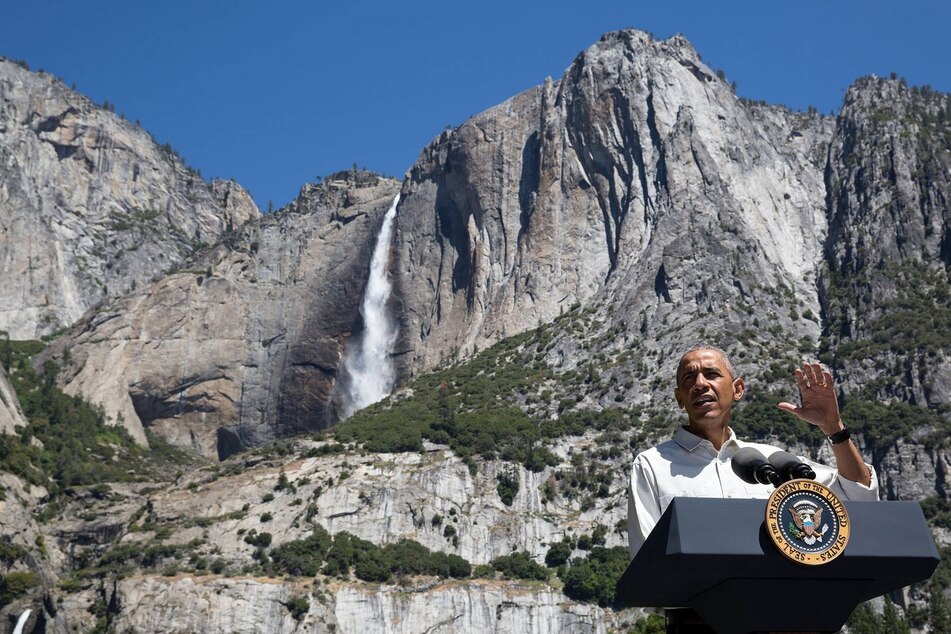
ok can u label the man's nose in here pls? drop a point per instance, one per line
(700, 383)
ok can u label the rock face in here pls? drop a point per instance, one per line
(887, 289)
(90, 206)
(383, 498)
(10, 413)
(388, 497)
(477, 607)
(243, 344)
(245, 605)
(21, 537)
(252, 605)
(638, 181)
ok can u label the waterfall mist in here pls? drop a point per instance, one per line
(368, 363)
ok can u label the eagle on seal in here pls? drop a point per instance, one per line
(807, 524)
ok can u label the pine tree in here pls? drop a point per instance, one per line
(864, 620)
(939, 616)
(892, 622)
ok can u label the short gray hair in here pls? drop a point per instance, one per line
(706, 346)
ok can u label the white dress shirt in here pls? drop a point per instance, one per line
(689, 466)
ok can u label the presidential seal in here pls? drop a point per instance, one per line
(807, 522)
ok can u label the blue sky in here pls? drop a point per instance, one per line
(274, 94)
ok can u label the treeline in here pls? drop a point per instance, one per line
(337, 556)
(588, 579)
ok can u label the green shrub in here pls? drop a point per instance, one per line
(558, 553)
(599, 534)
(260, 540)
(336, 556)
(883, 425)
(937, 511)
(651, 624)
(519, 565)
(454, 566)
(298, 606)
(124, 558)
(14, 585)
(284, 484)
(507, 487)
(70, 585)
(302, 557)
(594, 578)
(11, 553)
(372, 566)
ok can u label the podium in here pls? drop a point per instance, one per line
(714, 556)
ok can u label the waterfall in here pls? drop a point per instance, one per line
(22, 622)
(369, 364)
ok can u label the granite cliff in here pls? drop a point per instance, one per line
(10, 413)
(885, 285)
(638, 183)
(90, 205)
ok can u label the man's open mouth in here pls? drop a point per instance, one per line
(703, 400)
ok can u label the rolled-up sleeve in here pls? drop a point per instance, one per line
(643, 505)
(843, 487)
(851, 490)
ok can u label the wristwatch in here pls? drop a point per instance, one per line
(840, 437)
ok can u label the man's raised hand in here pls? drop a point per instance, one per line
(817, 393)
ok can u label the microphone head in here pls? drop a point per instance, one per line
(782, 460)
(744, 464)
(790, 467)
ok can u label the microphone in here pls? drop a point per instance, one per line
(751, 466)
(790, 467)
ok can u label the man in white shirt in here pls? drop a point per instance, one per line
(696, 462)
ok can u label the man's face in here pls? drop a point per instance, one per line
(705, 389)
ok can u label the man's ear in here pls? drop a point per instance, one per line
(739, 389)
(677, 397)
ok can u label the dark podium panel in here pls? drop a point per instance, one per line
(715, 556)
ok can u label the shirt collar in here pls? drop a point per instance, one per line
(690, 441)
